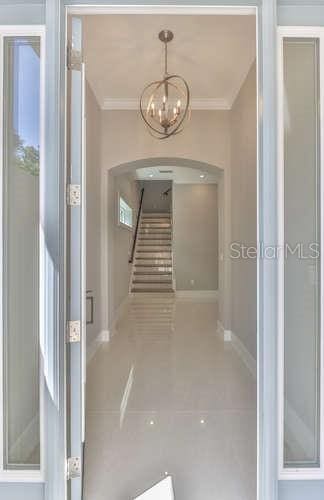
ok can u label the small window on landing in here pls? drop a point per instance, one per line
(125, 213)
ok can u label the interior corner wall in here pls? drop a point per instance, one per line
(195, 219)
(153, 199)
(244, 213)
(93, 211)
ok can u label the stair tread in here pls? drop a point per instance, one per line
(160, 243)
(152, 285)
(151, 278)
(157, 272)
(147, 215)
(152, 248)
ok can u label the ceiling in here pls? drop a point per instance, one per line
(179, 175)
(213, 53)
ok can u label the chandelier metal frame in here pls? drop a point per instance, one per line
(168, 81)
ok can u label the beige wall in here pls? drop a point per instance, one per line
(205, 138)
(93, 174)
(244, 212)
(195, 219)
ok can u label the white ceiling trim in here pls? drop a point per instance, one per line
(163, 9)
(206, 104)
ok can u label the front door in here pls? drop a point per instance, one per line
(76, 259)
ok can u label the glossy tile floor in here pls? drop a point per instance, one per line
(167, 396)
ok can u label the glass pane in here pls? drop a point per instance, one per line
(125, 213)
(302, 263)
(20, 252)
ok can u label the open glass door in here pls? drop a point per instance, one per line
(76, 258)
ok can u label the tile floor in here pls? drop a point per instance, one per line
(167, 396)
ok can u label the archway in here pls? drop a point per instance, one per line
(223, 221)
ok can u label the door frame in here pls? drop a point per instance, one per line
(266, 23)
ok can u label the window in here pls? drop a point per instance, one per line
(125, 213)
(20, 60)
(301, 236)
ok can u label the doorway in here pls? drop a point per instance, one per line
(206, 392)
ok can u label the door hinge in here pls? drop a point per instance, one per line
(73, 467)
(73, 333)
(73, 195)
(73, 58)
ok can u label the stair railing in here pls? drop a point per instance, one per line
(136, 228)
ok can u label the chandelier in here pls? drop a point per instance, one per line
(164, 104)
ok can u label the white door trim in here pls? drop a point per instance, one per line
(206, 10)
(191, 10)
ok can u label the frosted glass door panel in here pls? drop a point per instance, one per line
(302, 262)
(20, 252)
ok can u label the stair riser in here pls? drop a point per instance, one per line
(154, 271)
(152, 263)
(154, 243)
(151, 249)
(156, 214)
(152, 280)
(150, 290)
(156, 219)
(154, 238)
(152, 286)
(158, 225)
(154, 255)
(152, 231)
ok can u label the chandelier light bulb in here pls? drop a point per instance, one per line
(165, 97)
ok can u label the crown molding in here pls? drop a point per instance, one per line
(132, 104)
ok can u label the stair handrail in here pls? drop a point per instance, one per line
(136, 228)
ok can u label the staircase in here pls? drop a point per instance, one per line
(152, 268)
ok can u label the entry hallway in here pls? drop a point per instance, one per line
(166, 396)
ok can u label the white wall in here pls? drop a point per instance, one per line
(244, 212)
(195, 219)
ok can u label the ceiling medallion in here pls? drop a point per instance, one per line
(165, 104)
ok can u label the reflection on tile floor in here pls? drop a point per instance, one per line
(166, 396)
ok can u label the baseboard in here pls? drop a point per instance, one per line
(105, 335)
(102, 337)
(27, 441)
(225, 335)
(197, 294)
